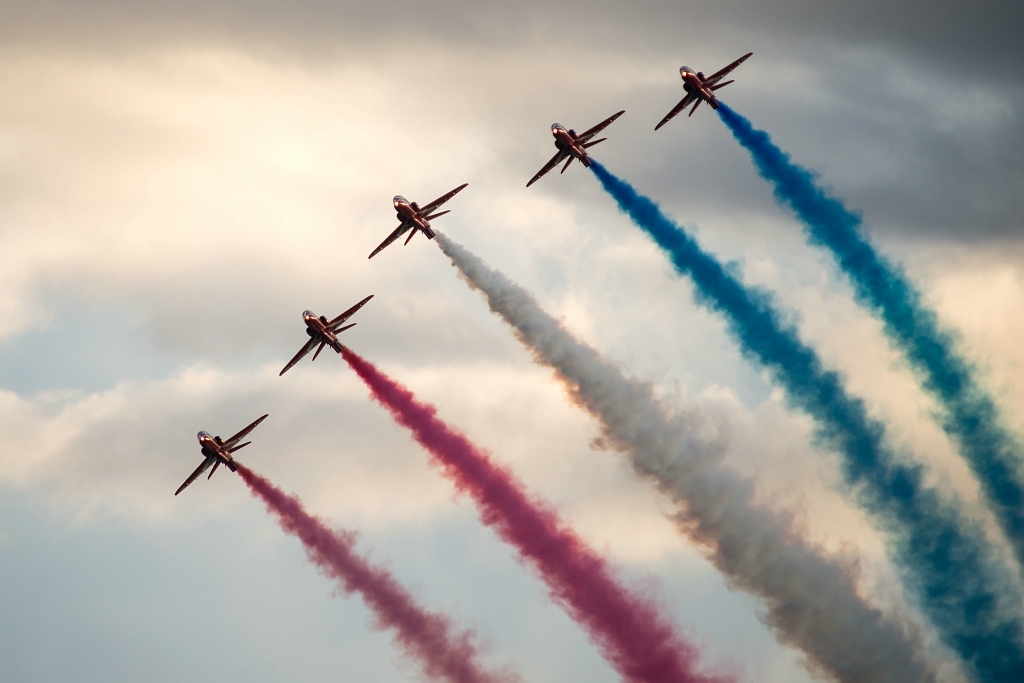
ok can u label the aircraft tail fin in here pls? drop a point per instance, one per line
(722, 85)
(213, 469)
(567, 163)
(591, 144)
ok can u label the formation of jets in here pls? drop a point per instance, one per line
(412, 218)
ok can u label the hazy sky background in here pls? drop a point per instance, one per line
(178, 182)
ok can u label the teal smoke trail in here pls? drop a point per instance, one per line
(970, 417)
(946, 561)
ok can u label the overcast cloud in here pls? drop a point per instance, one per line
(179, 181)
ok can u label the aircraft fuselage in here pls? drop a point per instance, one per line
(409, 214)
(693, 83)
(316, 326)
(565, 141)
(210, 445)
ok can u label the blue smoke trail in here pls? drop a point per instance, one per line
(946, 561)
(970, 416)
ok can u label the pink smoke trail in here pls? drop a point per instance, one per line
(629, 629)
(430, 638)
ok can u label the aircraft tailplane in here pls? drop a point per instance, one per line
(240, 447)
(695, 105)
(591, 144)
(567, 163)
(409, 238)
(435, 215)
(214, 469)
(319, 349)
(342, 329)
(721, 85)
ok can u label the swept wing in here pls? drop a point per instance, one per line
(399, 231)
(424, 210)
(719, 75)
(199, 470)
(683, 104)
(587, 134)
(228, 443)
(306, 348)
(347, 314)
(555, 160)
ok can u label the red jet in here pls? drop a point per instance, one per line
(412, 216)
(572, 145)
(217, 451)
(323, 332)
(700, 88)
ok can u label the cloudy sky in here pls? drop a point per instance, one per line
(179, 181)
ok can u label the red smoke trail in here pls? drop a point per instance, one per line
(428, 637)
(629, 629)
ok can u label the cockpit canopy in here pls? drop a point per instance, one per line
(556, 127)
(200, 435)
(685, 70)
(308, 314)
(399, 199)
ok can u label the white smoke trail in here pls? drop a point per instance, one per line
(811, 599)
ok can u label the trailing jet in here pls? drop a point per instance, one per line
(323, 332)
(413, 217)
(217, 451)
(572, 145)
(700, 88)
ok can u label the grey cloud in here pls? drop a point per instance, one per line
(983, 33)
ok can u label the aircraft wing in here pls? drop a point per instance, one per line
(228, 443)
(348, 314)
(719, 75)
(306, 348)
(587, 134)
(399, 231)
(424, 210)
(195, 475)
(555, 160)
(683, 104)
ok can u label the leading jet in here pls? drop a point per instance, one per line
(412, 216)
(700, 88)
(218, 451)
(323, 332)
(572, 145)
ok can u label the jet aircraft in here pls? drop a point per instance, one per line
(217, 451)
(323, 332)
(413, 217)
(572, 145)
(700, 88)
